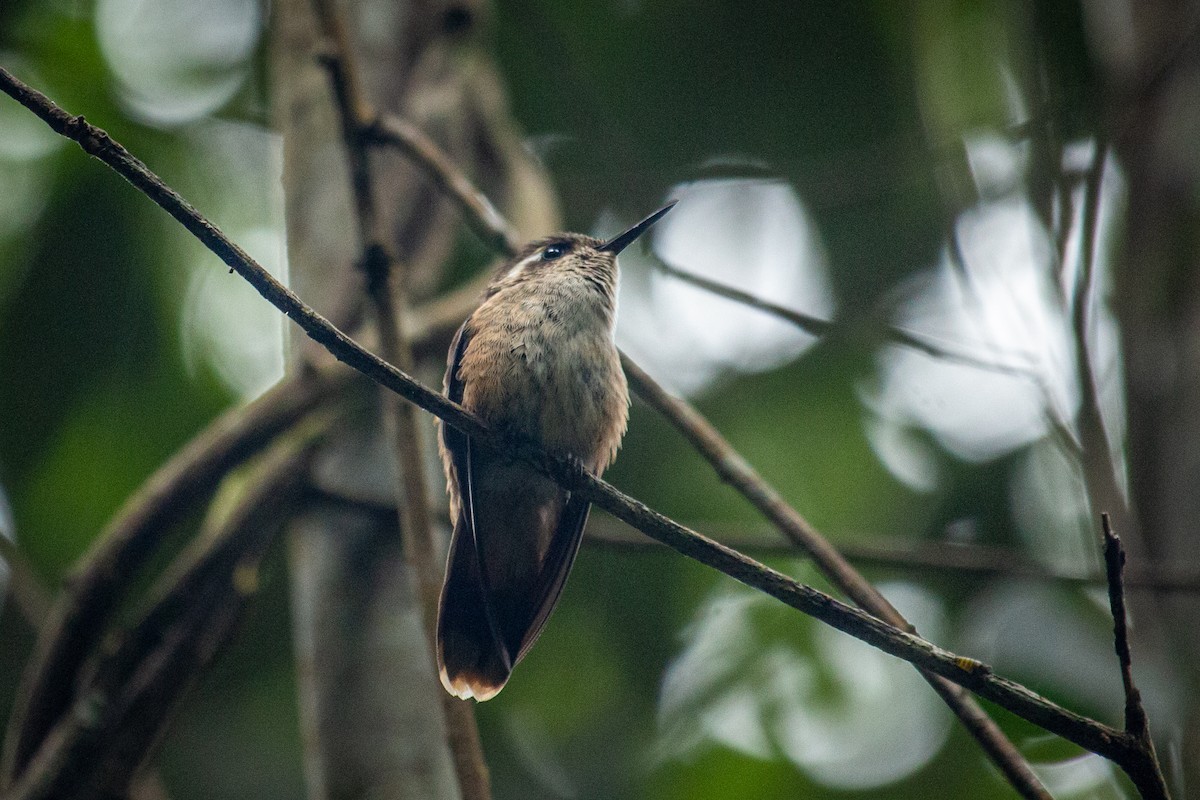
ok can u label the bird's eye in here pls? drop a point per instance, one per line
(554, 251)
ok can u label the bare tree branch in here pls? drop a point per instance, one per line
(78, 617)
(478, 212)
(1119, 746)
(922, 557)
(385, 287)
(94, 750)
(1147, 775)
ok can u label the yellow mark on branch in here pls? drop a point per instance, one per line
(970, 665)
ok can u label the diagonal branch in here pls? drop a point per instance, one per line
(28, 592)
(78, 618)
(480, 215)
(1118, 746)
(385, 288)
(94, 750)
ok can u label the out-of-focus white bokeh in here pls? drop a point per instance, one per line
(1087, 777)
(1025, 629)
(754, 235)
(1000, 306)
(25, 149)
(175, 60)
(178, 64)
(746, 681)
(1005, 298)
(226, 325)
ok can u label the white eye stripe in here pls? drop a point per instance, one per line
(520, 266)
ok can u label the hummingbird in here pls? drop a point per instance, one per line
(537, 360)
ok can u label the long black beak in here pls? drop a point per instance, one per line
(623, 240)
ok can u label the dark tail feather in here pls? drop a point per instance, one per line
(471, 660)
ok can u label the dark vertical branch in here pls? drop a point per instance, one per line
(1114, 567)
(1146, 772)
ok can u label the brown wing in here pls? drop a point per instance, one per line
(472, 661)
(559, 559)
(519, 581)
(491, 611)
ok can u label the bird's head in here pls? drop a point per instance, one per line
(572, 253)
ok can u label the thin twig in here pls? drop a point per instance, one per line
(96, 748)
(478, 211)
(78, 618)
(948, 558)
(386, 289)
(1114, 744)
(480, 215)
(1099, 466)
(815, 326)
(1114, 566)
(1149, 778)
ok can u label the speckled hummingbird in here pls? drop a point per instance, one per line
(536, 359)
